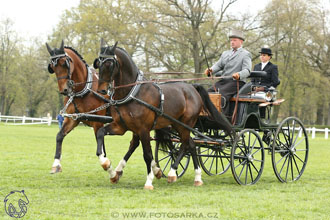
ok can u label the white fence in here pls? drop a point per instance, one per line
(314, 130)
(23, 120)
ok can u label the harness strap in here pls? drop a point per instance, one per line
(130, 95)
(75, 107)
(121, 118)
(161, 103)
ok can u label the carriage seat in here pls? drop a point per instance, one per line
(255, 77)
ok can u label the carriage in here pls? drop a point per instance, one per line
(239, 147)
(286, 142)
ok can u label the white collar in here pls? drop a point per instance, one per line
(264, 64)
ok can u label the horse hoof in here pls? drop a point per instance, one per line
(56, 169)
(106, 165)
(119, 174)
(159, 174)
(198, 183)
(171, 179)
(115, 179)
(149, 187)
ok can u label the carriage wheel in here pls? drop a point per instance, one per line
(214, 159)
(290, 150)
(247, 157)
(165, 159)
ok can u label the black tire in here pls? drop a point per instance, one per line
(165, 158)
(290, 150)
(247, 157)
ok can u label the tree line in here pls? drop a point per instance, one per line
(166, 36)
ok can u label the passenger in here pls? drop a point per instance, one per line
(236, 63)
(271, 80)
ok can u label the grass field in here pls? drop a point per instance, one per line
(83, 190)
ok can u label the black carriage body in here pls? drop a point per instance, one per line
(287, 142)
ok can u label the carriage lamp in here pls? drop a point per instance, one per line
(268, 96)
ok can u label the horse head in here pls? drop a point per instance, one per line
(60, 63)
(108, 66)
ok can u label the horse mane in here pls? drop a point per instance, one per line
(76, 52)
(127, 54)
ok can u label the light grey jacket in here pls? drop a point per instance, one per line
(231, 63)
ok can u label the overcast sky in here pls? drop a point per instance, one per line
(37, 18)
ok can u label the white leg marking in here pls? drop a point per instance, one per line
(172, 172)
(150, 178)
(111, 172)
(154, 167)
(198, 175)
(57, 162)
(121, 165)
(102, 159)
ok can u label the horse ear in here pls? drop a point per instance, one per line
(50, 70)
(102, 42)
(62, 46)
(49, 49)
(96, 63)
(113, 49)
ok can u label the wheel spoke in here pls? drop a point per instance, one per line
(286, 157)
(240, 174)
(256, 151)
(181, 165)
(212, 163)
(299, 158)
(254, 143)
(216, 162)
(282, 158)
(294, 142)
(250, 172)
(222, 165)
(164, 158)
(295, 162)
(298, 143)
(291, 168)
(167, 164)
(286, 140)
(293, 131)
(255, 167)
(246, 174)
(260, 161)
(287, 169)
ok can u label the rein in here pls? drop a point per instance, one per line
(167, 80)
(234, 117)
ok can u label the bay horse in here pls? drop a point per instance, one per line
(133, 107)
(79, 83)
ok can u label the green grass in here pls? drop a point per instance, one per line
(83, 190)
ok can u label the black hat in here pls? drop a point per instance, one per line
(266, 51)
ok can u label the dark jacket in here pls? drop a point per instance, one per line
(272, 74)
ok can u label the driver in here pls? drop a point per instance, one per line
(235, 63)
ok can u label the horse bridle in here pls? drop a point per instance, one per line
(54, 61)
(112, 58)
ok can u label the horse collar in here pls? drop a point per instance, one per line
(131, 94)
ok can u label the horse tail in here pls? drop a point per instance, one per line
(163, 138)
(217, 116)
